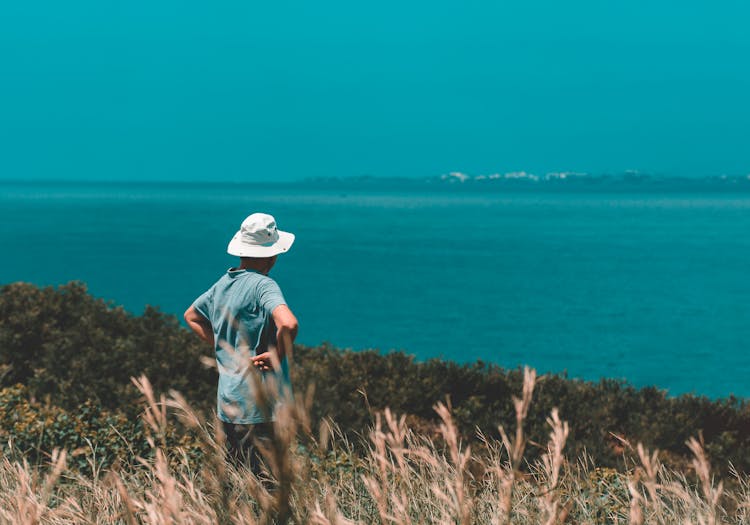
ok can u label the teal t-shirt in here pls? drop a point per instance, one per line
(239, 307)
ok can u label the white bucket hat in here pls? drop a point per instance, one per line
(259, 237)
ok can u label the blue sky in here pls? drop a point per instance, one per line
(250, 91)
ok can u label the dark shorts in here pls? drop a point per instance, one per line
(244, 443)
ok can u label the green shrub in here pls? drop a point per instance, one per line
(65, 344)
(93, 435)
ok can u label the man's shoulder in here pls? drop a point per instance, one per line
(256, 282)
(267, 279)
(267, 285)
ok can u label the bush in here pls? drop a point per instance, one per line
(74, 348)
(93, 435)
(349, 385)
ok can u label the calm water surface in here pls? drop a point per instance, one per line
(653, 288)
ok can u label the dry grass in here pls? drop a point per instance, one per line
(404, 478)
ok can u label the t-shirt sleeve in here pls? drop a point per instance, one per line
(203, 303)
(269, 295)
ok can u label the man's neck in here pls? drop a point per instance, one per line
(254, 267)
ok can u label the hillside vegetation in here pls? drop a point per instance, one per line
(64, 352)
(87, 437)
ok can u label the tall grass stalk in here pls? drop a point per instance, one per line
(402, 477)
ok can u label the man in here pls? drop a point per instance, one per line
(245, 318)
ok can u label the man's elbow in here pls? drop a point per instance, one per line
(290, 326)
(192, 315)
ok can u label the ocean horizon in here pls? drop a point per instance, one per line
(646, 286)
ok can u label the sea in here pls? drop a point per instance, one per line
(651, 287)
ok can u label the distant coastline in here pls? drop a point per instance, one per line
(553, 181)
(455, 182)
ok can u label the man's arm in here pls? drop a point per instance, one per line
(200, 325)
(286, 333)
(286, 329)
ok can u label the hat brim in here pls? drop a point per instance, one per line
(238, 248)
